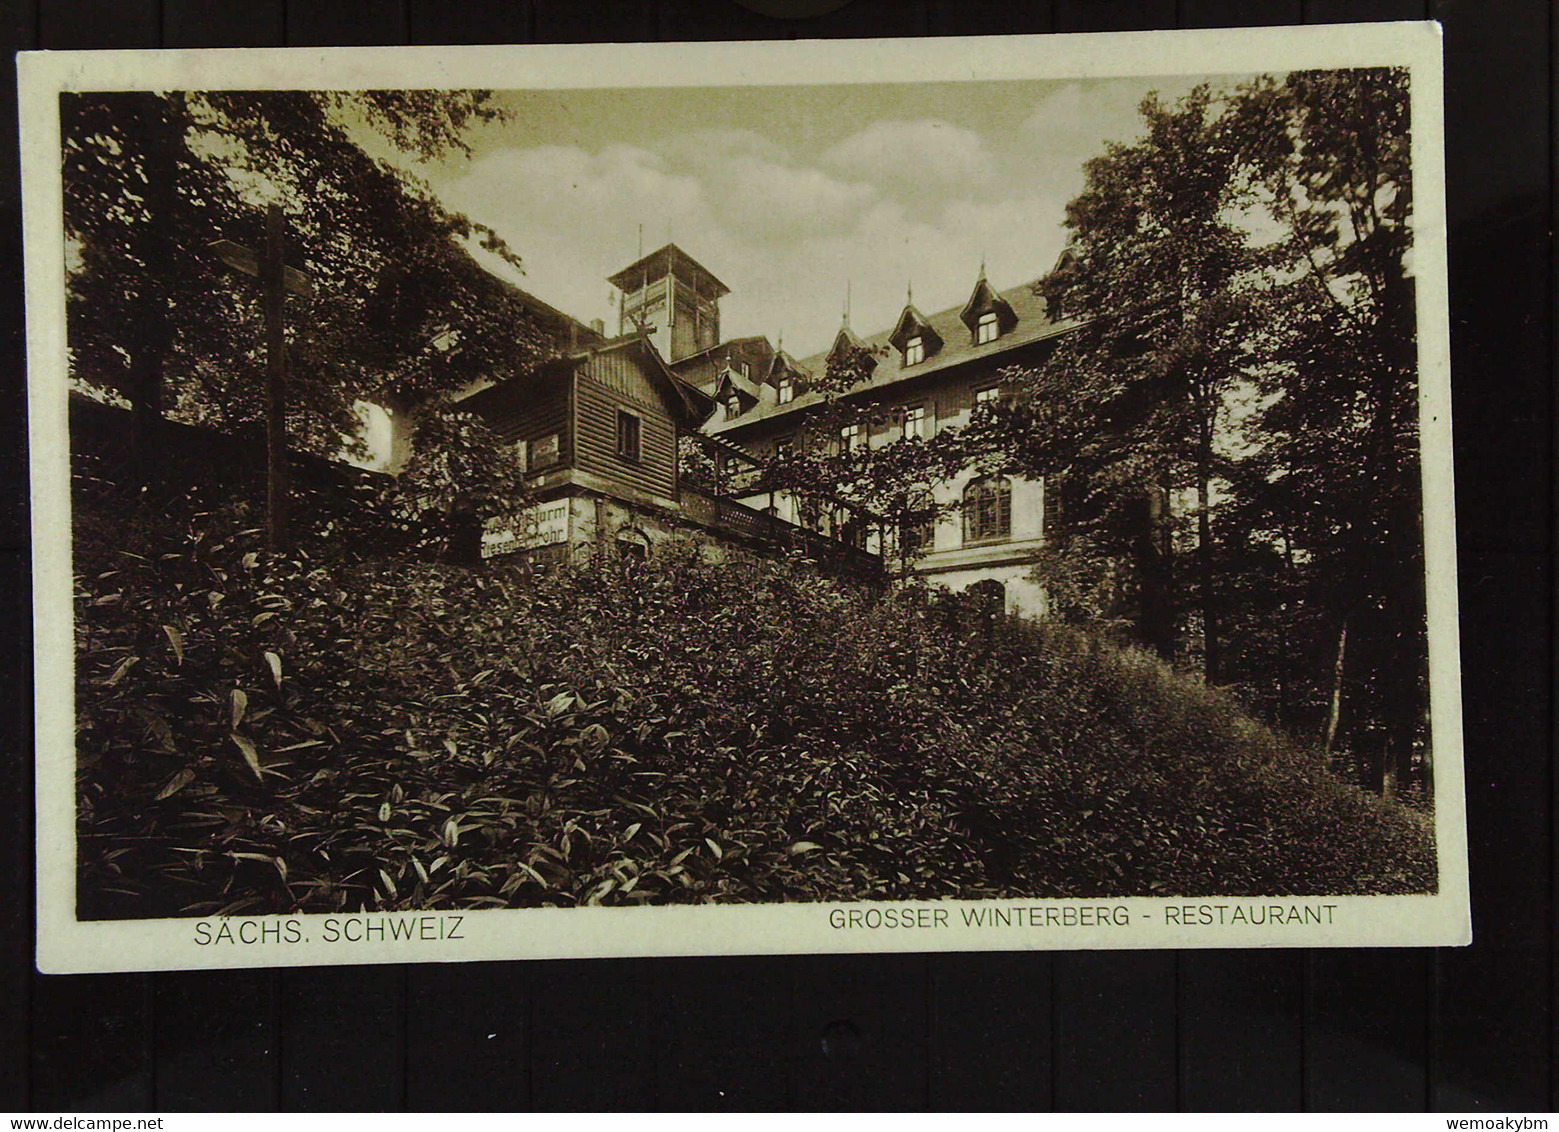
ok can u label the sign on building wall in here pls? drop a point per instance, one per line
(543, 524)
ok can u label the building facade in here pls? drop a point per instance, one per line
(663, 432)
(927, 372)
(598, 436)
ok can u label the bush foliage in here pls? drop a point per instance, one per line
(320, 731)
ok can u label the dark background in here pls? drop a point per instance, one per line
(1399, 1029)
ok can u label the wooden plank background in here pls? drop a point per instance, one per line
(1324, 1030)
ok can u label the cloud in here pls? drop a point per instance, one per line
(899, 200)
(752, 182)
(927, 155)
(572, 215)
(783, 201)
(568, 182)
(712, 146)
(1076, 120)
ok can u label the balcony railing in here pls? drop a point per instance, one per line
(831, 530)
(775, 535)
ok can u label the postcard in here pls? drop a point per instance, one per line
(887, 495)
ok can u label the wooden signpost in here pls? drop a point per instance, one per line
(276, 279)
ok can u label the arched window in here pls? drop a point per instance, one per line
(988, 509)
(989, 593)
(633, 544)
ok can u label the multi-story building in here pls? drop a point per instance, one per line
(927, 373)
(665, 429)
(602, 433)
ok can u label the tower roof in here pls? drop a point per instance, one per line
(669, 260)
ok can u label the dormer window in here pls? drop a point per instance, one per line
(914, 338)
(733, 406)
(787, 390)
(987, 314)
(849, 349)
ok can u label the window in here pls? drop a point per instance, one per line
(987, 330)
(987, 396)
(784, 447)
(1065, 500)
(918, 535)
(543, 451)
(733, 406)
(988, 509)
(787, 390)
(1054, 505)
(915, 351)
(627, 436)
(917, 527)
(741, 368)
(916, 422)
(851, 437)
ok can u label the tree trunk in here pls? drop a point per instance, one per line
(1204, 549)
(1335, 715)
(276, 380)
(1156, 565)
(153, 332)
(146, 446)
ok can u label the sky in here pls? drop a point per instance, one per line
(793, 196)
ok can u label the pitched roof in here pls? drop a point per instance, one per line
(668, 260)
(984, 298)
(1033, 325)
(911, 323)
(783, 363)
(726, 345)
(846, 335)
(694, 402)
(736, 381)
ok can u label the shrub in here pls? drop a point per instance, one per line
(321, 731)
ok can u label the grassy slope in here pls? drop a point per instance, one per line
(446, 737)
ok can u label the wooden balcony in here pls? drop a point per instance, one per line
(772, 535)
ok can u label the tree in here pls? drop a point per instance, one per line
(1242, 383)
(1156, 273)
(893, 483)
(1339, 466)
(400, 311)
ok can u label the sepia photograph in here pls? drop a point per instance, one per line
(538, 506)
